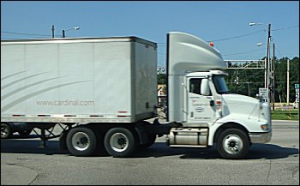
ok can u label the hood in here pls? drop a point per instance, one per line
(235, 103)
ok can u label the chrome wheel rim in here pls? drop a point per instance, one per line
(80, 141)
(119, 142)
(232, 144)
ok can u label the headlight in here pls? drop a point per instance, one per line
(265, 127)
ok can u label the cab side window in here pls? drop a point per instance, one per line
(195, 85)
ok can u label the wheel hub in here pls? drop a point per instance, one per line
(80, 141)
(119, 142)
(4, 131)
(232, 144)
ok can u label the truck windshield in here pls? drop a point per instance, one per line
(220, 84)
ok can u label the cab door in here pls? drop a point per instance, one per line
(201, 108)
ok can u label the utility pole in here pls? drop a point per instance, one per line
(288, 83)
(52, 31)
(73, 28)
(268, 61)
(267, 65)
(63, 33)
(266, 73)
(273, 76)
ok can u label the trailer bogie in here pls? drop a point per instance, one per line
(118, 140)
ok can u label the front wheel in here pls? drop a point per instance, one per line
(233, 144)
(120, 142)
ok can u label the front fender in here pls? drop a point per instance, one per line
(242, 121)
(251, 124)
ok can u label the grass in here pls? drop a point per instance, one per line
(288, 114)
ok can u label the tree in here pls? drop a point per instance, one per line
(281, 78)
(161, 79)
(248, 81)
(245, 81)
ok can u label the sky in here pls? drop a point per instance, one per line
(226, 23)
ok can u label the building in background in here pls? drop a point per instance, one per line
(161, 94)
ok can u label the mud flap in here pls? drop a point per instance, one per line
(62, 141)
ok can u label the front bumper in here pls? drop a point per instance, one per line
(260, 137)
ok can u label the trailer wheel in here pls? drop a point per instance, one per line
(6, 131)
(120, 142)
(25, 133)
(233, 144)
(81, 141)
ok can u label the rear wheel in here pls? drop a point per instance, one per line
(81, 141)
(6, 131)
(151, 140)
(120, 142)
(25, 133)
(233, 144)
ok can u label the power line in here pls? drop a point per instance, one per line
(235, 37)
(285, 28)
(20, 33)
(223, 39)
(251, 51)
(280, 54)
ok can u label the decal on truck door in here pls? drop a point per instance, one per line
(199, 108)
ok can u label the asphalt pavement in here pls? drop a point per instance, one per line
(15, 174)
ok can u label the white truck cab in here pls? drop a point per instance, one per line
(200, 100)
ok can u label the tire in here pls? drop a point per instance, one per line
(233, 144)
(81, 141)
(151, 141)
(120, 142)
(25, 133)
(6, 131)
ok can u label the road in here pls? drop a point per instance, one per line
(275, 163)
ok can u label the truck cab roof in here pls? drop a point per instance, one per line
(206, 73)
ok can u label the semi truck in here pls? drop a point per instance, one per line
(102, 94)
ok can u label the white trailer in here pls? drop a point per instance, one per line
(100, 80)
(101, 91)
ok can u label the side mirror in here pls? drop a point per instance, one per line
(205, 87)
